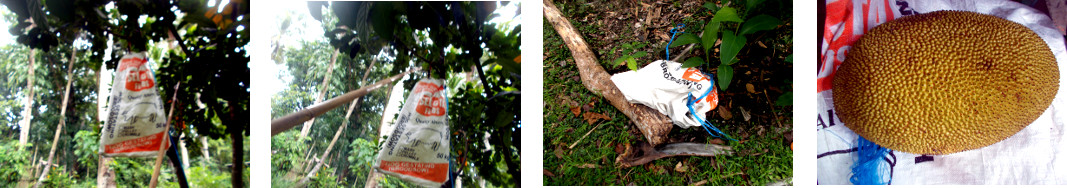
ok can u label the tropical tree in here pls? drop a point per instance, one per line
(448, 39)
(200, 46)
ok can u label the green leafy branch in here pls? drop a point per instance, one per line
(726, 20)
(629, 55)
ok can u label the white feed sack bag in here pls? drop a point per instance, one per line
(418, 148)
(666, 87)
(136, 122)
(1034, 155)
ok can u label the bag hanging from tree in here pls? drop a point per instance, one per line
(417, 150)
(136, 122)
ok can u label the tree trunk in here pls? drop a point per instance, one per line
(203, 148)
(372, 177)
(237, 173)
(341, 129)
(105, 177)
(62, 119)
(103, 91)
(652, 124)
(322, 93)
(184, 151)
(27, 110)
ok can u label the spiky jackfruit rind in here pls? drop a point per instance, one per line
(944, 82)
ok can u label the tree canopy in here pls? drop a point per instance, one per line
(448, 40)
(200, 45)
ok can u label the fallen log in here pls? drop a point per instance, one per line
(654, 125)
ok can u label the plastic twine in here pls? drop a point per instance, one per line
(707, 125)
(869, 165)
(674, 32)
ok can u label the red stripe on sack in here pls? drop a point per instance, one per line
(131, 62)
(825, 83)
(144, 143)
(435, 172)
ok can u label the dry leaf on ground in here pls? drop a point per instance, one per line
(593, 117)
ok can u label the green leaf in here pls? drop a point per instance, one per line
(384, 20)
(640, 54)
(711, 6)
(619, 60)
(759, 23)
(509, 65)
(785, 99)
(711, 34)
(726, 74)
(731, 45)
(630, 62)
(639, 45)
(751, 4)
(685, 38)
(789, 58)
(693, 62)
(63, 9)
(727, 14)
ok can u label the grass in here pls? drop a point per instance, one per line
(762, 156)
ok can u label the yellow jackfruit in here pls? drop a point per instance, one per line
(944, 82)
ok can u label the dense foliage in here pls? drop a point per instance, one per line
(200, 45)
(449, 40)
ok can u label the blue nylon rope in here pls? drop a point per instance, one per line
(869, 166)
(674, 32)
(707, 125)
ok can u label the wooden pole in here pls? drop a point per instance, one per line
(62, 117)
(322, 94)
(355, 103)
(165, 140)
(289, 121)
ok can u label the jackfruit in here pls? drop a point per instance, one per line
(944, 82)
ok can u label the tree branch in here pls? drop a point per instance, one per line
(174, 32)
(654, 125)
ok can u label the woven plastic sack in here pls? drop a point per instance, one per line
(417, 150)
(136, 121)
(1034, 155)
(666, 87)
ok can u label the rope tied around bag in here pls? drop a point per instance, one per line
(674, 32)
(708, 127)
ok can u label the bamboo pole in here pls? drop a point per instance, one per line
(355, 103)
(62, 117)
(288, 121)
(165, 140)
(322, 94)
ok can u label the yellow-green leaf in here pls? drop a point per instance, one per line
(727, 14)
